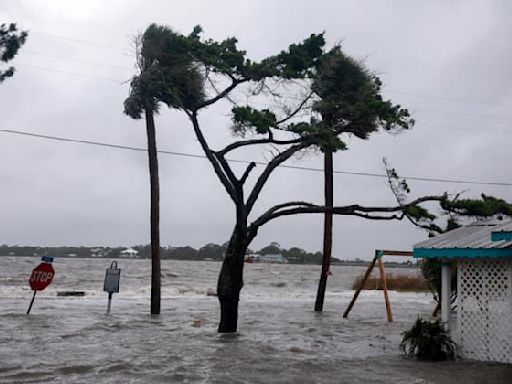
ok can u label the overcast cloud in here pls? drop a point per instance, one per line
(55, 193)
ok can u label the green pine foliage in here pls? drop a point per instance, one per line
(349, 99)
(11, 40)
(488, 206)
(246, 118)
(168, 73)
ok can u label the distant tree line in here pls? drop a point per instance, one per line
(210, 251)
(65, 251)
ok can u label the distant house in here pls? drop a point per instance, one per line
(273, 258)
(96, 252)
(129, 252)
(252, 258)
(481, 253)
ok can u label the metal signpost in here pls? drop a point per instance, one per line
(41, 277)
(111, 283)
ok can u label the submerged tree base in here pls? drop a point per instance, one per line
(229, 316)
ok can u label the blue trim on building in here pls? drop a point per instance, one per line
(462, 253)
(503, 235)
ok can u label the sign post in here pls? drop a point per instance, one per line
(41, 277)
(111, 284)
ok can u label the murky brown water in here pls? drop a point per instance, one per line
(281, 339)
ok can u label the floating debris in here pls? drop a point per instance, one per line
(71, 293)
(196, 323)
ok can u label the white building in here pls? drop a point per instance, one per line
(275, 258)
(129, 252)
(481, 253)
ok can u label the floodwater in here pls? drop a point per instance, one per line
(280, 340)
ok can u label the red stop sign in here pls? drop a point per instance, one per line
(41, 277)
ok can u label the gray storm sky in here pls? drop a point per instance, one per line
(448, 62)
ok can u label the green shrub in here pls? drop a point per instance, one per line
(428, 340)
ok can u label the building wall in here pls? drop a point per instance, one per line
(484, 310)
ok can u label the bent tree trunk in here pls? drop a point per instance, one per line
(326, 261)
(155, 213)
(230, 281)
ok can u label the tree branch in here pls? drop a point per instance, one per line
(224, 93)
(400, 189)
(270, 139)
(212, 84)
(230, 188)
(297, 110)
(242, 143)
(227, 169)
(373, 213)
(271, 166)
(250, 167)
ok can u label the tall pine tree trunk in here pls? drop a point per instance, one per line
(326, 260)
(155, 213)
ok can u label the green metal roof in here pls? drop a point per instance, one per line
(478, 240)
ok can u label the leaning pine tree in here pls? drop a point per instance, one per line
(171, 80)
(347, 101)
(286, 126)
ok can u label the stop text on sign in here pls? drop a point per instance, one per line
(41, 276)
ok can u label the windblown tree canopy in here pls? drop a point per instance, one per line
(349, 99)
(452, 211)
(313, 96)
(11, 39)
(168, 73)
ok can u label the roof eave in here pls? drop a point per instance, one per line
(462, 253)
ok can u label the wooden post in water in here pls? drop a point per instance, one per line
(378, 256)
(385, 288)
(358, 291)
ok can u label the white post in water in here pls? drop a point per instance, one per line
(446, 288)
(111, 283)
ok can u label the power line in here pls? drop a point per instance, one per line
(184, 154)
(79, 41)
(75, 60)
(440, 126)
(289, 96)
(116, 146)
(448, 98)
(293, 97)
(119, 82)
(463, 114)
(459, 100)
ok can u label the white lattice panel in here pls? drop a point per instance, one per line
(484, 320)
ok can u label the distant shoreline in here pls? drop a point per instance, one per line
(353, 263)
